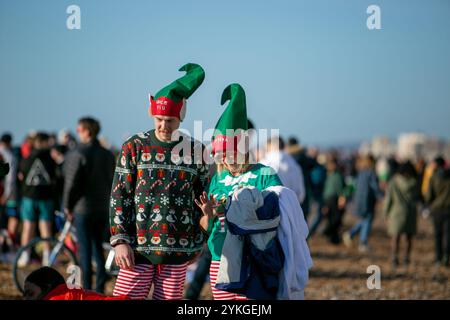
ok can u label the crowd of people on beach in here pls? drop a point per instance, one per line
(246, 224)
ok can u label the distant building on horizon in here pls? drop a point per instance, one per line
(379, 147)
(409, 146)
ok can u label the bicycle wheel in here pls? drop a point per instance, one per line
(61, 259)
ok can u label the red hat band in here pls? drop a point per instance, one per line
(223, 143)
(163, 106)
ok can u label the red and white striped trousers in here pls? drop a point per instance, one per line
(219, 294)
(168, 281)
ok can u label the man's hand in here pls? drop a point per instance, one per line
(124, 256)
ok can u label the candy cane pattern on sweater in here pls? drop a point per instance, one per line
(142, 182)
(186, 185)
(138, 142)
(154, 184)
(119, 185)
(171, 183)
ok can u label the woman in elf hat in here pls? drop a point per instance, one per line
(234, 170)
(151, 186)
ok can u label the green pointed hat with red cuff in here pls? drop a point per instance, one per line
(171, 100)
(233, 121)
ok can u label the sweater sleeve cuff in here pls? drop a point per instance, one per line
(210, 225)
(119, 238)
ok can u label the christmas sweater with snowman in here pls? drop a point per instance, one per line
(152, 206)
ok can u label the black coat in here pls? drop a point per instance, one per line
(88, 174)
(38, 172)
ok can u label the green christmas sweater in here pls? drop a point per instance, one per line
(222, 185)
(152, 205)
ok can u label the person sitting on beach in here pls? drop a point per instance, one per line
(48, 284)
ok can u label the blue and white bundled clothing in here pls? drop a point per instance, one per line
(292, 234)
(265, 253)
(252, 257)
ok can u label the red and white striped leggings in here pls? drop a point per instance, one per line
(219, 294)
(168, 281)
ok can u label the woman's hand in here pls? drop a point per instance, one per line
(207, 205)
(124, 256)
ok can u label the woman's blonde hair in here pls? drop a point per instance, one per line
(241, 167)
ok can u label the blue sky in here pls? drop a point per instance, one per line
(310, 68)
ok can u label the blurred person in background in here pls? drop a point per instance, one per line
(200, 275)
(382, 170)
(350, 173)
(420, 166)
(306, 163)
(427, 174)
(255, 148)
(27, 145)
(88, 175)
(333, 200)
(9, 213)
(367, 191)
(400, 209)
(393, 165)
(318, 178)
(37, 174)
(285, 166)
(66, 139)
(52, 140)
(438, 200)
(57, 153)
(4, 168)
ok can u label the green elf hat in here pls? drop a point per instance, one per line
(171, 100)
(233, 122)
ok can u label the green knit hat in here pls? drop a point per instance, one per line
(234, 117)
(171, 100)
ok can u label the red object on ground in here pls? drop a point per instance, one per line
(62, 292)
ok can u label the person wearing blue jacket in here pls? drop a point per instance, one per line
(367, 191)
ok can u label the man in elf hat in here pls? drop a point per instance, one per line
(152, 177)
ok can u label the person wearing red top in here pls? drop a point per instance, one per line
(48, 284)
(62, 292)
